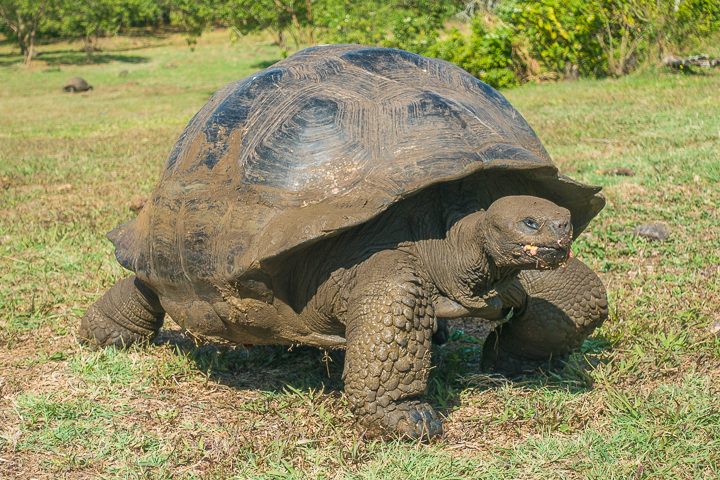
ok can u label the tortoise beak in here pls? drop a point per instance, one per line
(553, 257)
(550, 255)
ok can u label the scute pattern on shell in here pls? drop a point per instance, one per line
(324, 140)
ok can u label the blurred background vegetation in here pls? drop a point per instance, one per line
(502, 42)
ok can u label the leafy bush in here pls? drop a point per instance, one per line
(634, 31)
(536, 39)
(696, 19)
(687, 24)
(527, 40)
(487, 53)
(280, 16)
(91, 20)
(629, 31)
(415, 34)
(560, 33)
(509, 41)
(412, 25)
(365, 23)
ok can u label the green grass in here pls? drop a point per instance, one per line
(642, 400)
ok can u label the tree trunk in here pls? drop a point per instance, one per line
(297, 26)
(30, 48)
(30, 42)
(27, 46)
(87, 44)
(21, 44)
(20, 32)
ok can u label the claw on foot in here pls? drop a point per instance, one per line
(416, 421)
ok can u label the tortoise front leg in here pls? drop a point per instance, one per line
(128, 313)
(389, 335)
(555, 311)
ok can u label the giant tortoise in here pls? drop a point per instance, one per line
(352, 197)
(77, 84)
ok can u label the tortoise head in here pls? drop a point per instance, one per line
(527, 232)
(486, 247)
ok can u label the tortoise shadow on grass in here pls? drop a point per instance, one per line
(264, 367)
(571, 375)
(273, 368)
(456, 367)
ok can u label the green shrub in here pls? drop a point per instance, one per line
(626, 31)
(365, 23)
(487, 53)
(530, 39)
(527, 40)
(693, 21)
(412, 25)
(560, 33)
(414, 34)
(515, 41)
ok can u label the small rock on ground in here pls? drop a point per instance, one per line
(619, 171)
(653, 231)
(715, 328)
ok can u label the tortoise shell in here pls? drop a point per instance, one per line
(322, 141)
(77, 84)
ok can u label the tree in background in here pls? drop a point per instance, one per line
(282, 17)
(293, 17)
(90, 20)
(193, 16)
(23, 21)
(503, 42)
(28, 20)
(412, 25)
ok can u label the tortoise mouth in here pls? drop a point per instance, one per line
(545, 256)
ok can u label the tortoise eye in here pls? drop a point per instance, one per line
(531, 223)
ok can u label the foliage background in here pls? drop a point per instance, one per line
(504, 43)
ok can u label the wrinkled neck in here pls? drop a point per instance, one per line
(459, 265)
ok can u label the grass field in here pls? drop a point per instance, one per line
(641, 401)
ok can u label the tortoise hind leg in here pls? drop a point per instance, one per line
(128, 313)
(558, 310)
